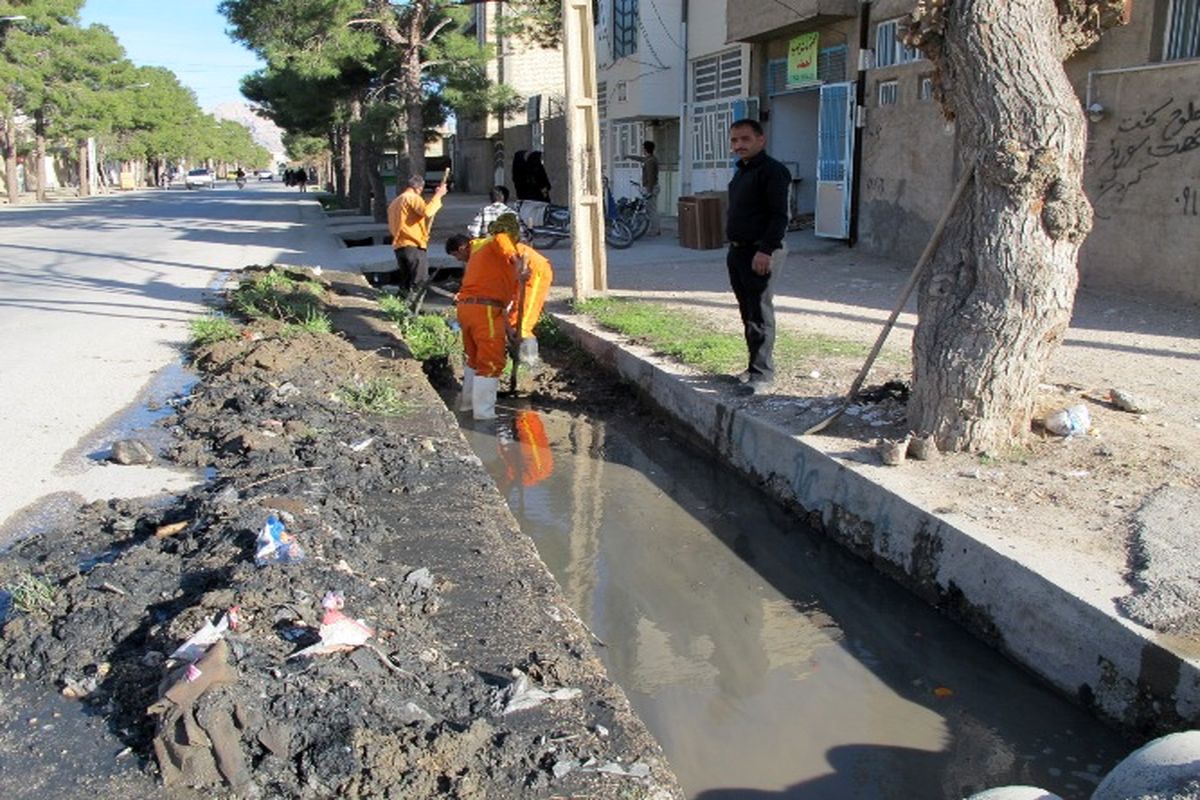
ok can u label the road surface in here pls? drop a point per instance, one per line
(95, 299)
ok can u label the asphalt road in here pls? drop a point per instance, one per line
(95, 298)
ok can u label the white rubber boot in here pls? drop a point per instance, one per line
(483, 397)
(528, 352)
(468, 383)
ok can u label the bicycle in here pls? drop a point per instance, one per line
(635, 212)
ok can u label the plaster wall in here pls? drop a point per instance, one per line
(747, 20)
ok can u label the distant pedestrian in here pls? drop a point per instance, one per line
(302, 179)
(488, 214)
(409, 220)
(755, 225)
(649, 163)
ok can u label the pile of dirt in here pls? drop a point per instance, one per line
(468, 676)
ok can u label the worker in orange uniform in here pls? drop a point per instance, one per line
(526, 451)
(488, 293)
(537, 286)
(409, 220)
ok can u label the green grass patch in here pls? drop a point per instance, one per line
(277, 295)
(376, 396)
(428, 336)
(31, 593)
(315, 322)
(697, 342)
(212, 328)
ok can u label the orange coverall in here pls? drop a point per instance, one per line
(489, 287)
(537, 286)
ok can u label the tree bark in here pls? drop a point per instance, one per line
(10, 159)
(996, 301)
(378, 188)
(39, 157)
(360, 187)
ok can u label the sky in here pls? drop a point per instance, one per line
(185, 36)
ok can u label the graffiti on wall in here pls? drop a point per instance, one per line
(1142, 142)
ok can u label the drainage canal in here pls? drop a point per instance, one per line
(767, 661)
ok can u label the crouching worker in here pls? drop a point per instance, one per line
(489, 292)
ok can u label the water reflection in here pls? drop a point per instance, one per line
(766, 661)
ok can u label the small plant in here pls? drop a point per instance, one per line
(429, 336)
(277, 295)
(212, 328)
(375, 396)
(31, 593)
(397, 310)
(550, 335)
(314, 322)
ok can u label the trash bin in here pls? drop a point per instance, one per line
(689, 223)
(711, 215)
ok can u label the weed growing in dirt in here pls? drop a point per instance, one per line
(212, 328)
(277, 295)
(315, 322)
(550, 336)
(694, 341)
(31, 593)
(375, 396)
(428, 336)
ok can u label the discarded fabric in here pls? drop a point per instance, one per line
(520, 695)
(198, 643)
(276, 545)
(1072, 421)
(338, 632)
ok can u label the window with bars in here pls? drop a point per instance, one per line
(831, 68)
(717, 76)
(889, 93)
(888, 49)
(625, 25)
(1182, 38)
(925, 90)
(602, 100)
(710, 130)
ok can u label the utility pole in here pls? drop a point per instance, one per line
(583, 150)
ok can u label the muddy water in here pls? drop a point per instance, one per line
(768, 662)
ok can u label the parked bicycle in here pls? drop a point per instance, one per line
(635, 211)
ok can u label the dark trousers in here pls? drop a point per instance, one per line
(756, 304)
(413, 267)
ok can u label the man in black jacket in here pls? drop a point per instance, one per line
(755, 225)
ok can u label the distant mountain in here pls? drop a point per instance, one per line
(263, 131)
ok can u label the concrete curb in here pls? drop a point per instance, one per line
(1077, 643)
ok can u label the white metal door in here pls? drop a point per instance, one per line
(835, 144)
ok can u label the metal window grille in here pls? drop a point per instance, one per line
(717, 76)
(625, 25)
(710, 130)
(890, 50)
(1183, 30)
(602, 100)
(831, 68)
(627, 138)
(889, 93)
(925, 92)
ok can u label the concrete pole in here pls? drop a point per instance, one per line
(91, 166)
(583, 150)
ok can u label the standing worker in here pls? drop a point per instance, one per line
(755, 225)
(409, 220)
(649, 163)
(488, 293)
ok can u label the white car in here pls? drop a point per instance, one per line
(265, 175)
(199, 179)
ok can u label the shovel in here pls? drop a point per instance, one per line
(515, 349)
(926, 256)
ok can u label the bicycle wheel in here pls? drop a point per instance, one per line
(617, 234)
(638, 222)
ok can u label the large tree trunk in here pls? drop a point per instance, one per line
(360, 187)
(996, 301)
(81, 151)
(378, 187)
(10, 160)
(39, 158)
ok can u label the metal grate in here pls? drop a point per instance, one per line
(889, 49)
(831, 68)
(889, 93)
(710, 130)
(602, 100)
(1183, 30)
(717, 76)
(625, 25)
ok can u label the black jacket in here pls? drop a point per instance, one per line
(758, 204)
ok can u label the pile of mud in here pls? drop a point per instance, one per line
(473, 677)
